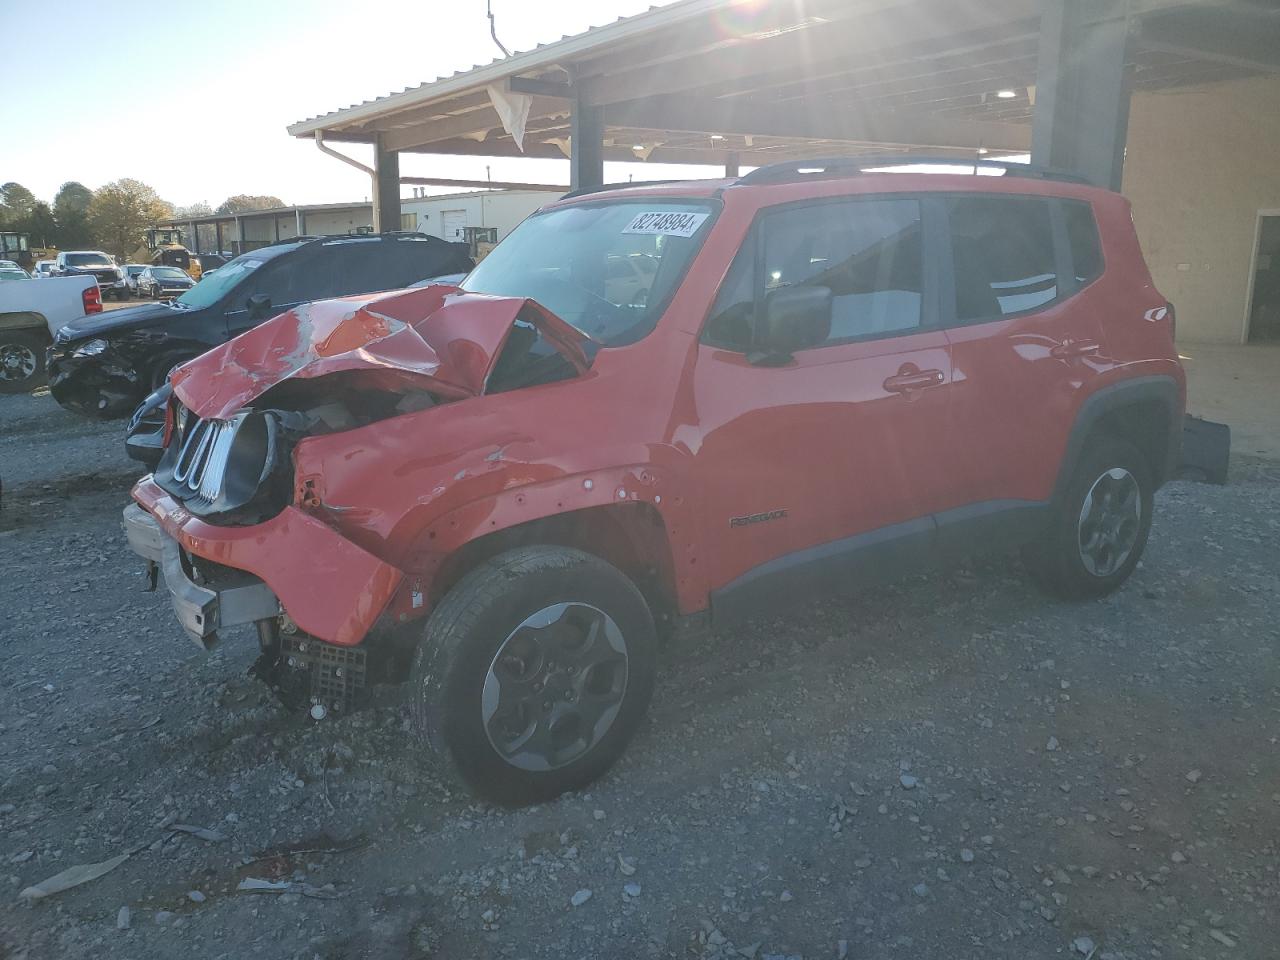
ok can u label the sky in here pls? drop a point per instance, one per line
(193, 99)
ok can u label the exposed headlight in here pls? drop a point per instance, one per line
(220, 465)
(90, 348)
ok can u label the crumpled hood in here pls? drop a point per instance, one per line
(115, 321)
(434, 338)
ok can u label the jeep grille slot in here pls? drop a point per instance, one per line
(202, 459)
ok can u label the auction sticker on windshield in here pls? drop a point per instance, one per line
(666, 222)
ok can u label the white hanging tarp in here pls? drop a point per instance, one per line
(513, 111)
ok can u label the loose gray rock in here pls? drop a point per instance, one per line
(163, 916)
(920, 889)
(908, 781)
(632, 890)
(123, 918)
(1083, 945)
(966, 855)
(195, 896)
(581, 897)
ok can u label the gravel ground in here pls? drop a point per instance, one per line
(951, 767)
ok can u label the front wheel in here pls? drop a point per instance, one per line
(1099, 531)
(534, 673)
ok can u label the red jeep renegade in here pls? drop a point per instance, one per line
(657, 401)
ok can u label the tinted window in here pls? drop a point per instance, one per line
(283, 281)
(867, 252)
(1003, 256)
(87, 260)
(1082, 236)
(353, 267)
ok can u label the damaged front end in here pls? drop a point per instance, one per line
(95, 378)
(238, 536)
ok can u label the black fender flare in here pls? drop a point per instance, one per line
(1159, 389)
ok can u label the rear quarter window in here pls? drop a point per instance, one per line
(1082, 238)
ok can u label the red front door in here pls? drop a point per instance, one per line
(849, 435)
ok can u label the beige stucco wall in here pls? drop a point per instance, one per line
(1199, 165)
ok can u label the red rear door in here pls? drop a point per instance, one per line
(1026, 344)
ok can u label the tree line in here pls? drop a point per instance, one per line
(114, 218)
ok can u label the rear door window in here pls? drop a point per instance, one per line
(1002, 256)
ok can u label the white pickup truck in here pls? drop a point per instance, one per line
(30, 314)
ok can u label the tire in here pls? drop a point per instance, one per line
(22, 360)
(532, 604)
(164, 366)
(1093, 543)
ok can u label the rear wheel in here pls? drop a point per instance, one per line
(1100, 529)
(534, 673)
(22, 357)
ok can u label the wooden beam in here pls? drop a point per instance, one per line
(466, 124)
(1249, 39)
(483, 185)
(541, 88)
(801, 51)
(827, 119)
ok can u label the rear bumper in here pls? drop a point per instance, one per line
(332, 589)
(200, 609)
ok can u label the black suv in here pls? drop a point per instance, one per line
(103, 365)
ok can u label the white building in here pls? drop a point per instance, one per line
(446, 216)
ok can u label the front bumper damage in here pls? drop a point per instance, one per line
(330, 589)
(105, 386)
(201, 610)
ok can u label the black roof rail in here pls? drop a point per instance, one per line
(826, 168)
(584, 191)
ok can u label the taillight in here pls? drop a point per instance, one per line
(92, 300)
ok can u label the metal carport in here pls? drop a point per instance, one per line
(732, 83)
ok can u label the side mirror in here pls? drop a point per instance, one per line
(259, 306)
(794, 318)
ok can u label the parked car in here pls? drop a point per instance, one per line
(628, 278)
(30, 314)
(14, 273)
(43, 270)
(104, 366)
(503, 492)
(160, 282)
(90, 263)
(9, 265)
(131, 273)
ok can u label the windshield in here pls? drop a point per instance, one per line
(88, 260)
(10, 274)
(212, 287)
(608, 267)
(171, 273)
